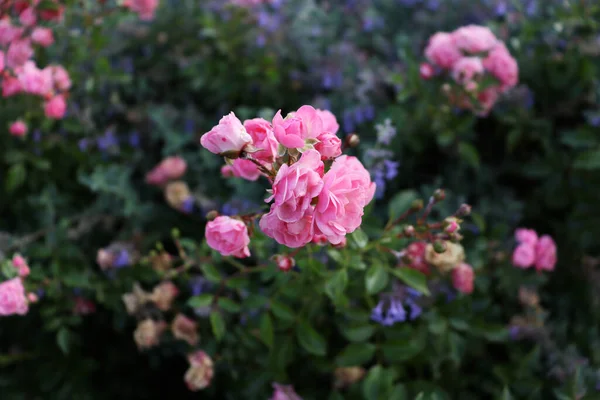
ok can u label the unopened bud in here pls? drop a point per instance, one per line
(451, 225)
(463, 211)
(211, 215)
(409, 231)
(439, 195)
(284, 263)
(232, 154)
(417, 205)
(353, 140)
(32, 297)
(439, 246)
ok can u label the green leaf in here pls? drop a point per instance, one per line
(266, 330)
(282, 311)
(469, 153)
(376, 279)
(356, 354)
(401, 202)
(16, 177)
(360, 238)
(63, 338)
(358, 333)
(336, 284)
(399, 393)
(310, 339)
(506, 394)
(378, 384)
(589, 160)
(211, 273)
(412, 278)
(204, 300)
(229, 305)
(401, 350)
(218, 324)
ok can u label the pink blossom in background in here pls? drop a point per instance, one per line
(56, 107)
(245, 169)
(200, 373)
(474, 39)
(263, 139)
(295, 186)
(442, 51)
(503, 66)
(10, 86)
(319, 238)
(347, 189)
(62, 81)
(329, 145)
(32, 297)
(18, 128)
(229, 136)
(227, 171)
(20, 265)
(171, 168)
(293, 130)
(463, 278)
(18, 53)
(83, 306)
(291, 234)
(426, 71)
(8, 32)
(487, 99)
(2, 64)
(284, 392)
(328, 121)
(466, 69)
(527, 236)
(34, 80)
(52, 14)
(545, 254)
(42, 36)
(27, 17)
(416, 252)
(12, 298)
(228, 236)
(523, 256)
(144, 8)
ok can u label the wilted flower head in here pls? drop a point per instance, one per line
(185, 328)
(200, 372)
(164, 294)
(147, 333)
(446, 261)
(346, 376)
(134, 300)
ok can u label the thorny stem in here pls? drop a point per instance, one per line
(268, 172)
(401, 218)
(427, 211)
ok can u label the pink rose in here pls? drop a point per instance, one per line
(416, 252)
(291, 234)
(2, 64)
(18, 128)
(10, 86)
(524, 255)
(34, 80)
(466, 69)
(442, 50)
(20, 265)
(228, 236)
(42, 36)
(527, 236)
(245, 169)
(503, 66)
(27, 17)
(200, 373)
(53, 14)
(18, 53)
(8, 32)
(426, 71)
(487, 99)
(144, 8)
(347, 189)
(295, 186)
(263, 139)
(329, 121)
(12, 298)
(170, 168)
(474, 39)
(297, 127)
(228, 138)
(284, 392)
(329, 145)
(463, 278)
(545, 254)
(62, 81)
(56, 107)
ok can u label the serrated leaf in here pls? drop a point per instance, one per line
(376, 279)
(266, 330)
(310, 339)
(412, 278)
(218, 324)
(211, 273)
(356, 354)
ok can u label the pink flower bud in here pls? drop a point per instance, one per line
(228, 236)
(228, 138)
(20, 265)
(285, 263)
(451, 225)
(27, 17)
(42, 36)
(32, 297)
(18, 128)
(524, 255)
(545, 254)
(227, 171)
(56, 107)
(12, 298)
(426, 71)
(463, 278)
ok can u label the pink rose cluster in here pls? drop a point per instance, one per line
(145, 9)
(469, 55)
(20, 32)
(308, 200)
(13, 298)
(535, 251)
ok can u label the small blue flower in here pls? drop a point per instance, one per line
(134, 139)
(83, 144)
(394, 313)
(187, 206)
(122, 259)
